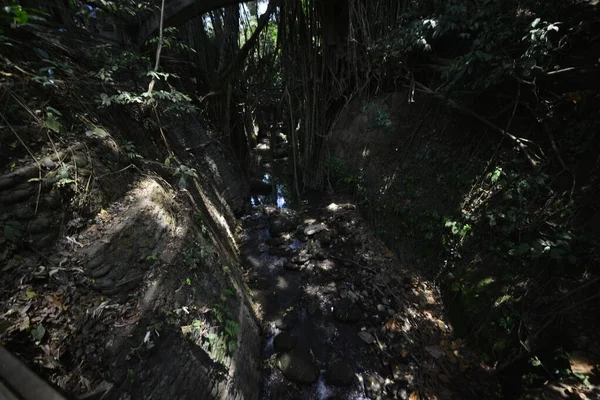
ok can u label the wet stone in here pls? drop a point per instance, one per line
(285, 322)
(298, 366)
(39, 225)
(282, 251)
(53, 201)
(312, 229)
(339, 372)
(48, 163)
(7, 181)
(366, 337)
(374, 385)
(280, 224)
(46, 240)
(324, 238)
(284, 342)
(290, 266)
(345, 311)
(15, 196)
(23, 213)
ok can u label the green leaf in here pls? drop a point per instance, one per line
(38, 333)
(13, 230)
(52, 123)
(496, 175)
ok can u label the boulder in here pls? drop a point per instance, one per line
(280, 224)
(284, 342)
(298, 366)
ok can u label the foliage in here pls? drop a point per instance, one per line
(182, 172)
(14, 15)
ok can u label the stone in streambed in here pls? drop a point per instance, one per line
(339, 372)
(291, 266)
(366, 337)
(345, 311)
(312, 229)
(284, 342)
(298, 366)
(260, 187)
(280, 224)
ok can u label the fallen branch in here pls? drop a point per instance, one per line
(520, 142)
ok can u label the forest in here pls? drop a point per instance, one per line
(300, 199)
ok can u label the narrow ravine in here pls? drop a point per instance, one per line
(341, 318)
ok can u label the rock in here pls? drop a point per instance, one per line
(343, 293)
(301, 257)
(46, 240)
(276, 241)
(380, 307)
(319, 254)
(292, 266)
(15, 196)
(280, 153)
(352, 296)
(280, 224)
(298, 366)
(324, 238)
(48, 163)
(312, 229)
(7, 181)
(286, 321)
(284, 342)
(345, 311)
(53, 201)
(366, 337)
(23, 213)
(374, 385)
(399, 371)
(259, 187)
(80, 160)
(339, 372)
(282, 252)
(39, 225)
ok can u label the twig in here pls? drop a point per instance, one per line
(158, 47)
(520, 142)
(37, 203)
(355, 263)
(564, 310)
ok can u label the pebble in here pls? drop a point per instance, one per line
(366, 337)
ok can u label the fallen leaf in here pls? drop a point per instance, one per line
(451, 357)
(404, 353)
(444, 378)
(389, 254)
(581, 363)
(30, 294)
(456, 344)
(462, 366)
(414, 396)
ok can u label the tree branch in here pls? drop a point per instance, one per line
(241, 55)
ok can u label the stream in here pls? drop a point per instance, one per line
(315, 301)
